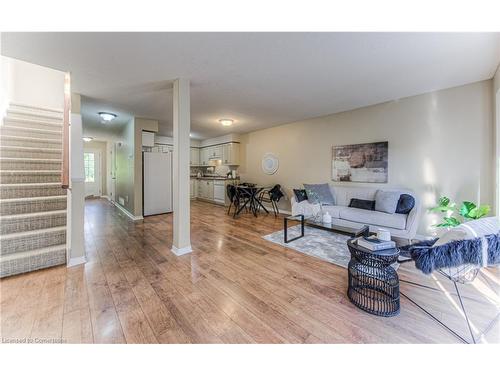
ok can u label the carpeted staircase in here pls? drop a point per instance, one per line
(32, 202)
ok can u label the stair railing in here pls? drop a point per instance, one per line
(65, 132)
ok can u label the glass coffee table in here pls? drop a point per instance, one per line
(351, 230)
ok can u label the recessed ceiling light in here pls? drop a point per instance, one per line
(107, 116)
(226, 121)
(87, 139)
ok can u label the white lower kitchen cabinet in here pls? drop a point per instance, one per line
(212, 190)
(193, 185)
(219, 191)
(206, 189)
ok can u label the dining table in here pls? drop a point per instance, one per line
(249, 195)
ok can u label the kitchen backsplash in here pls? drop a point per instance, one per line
(220, 170)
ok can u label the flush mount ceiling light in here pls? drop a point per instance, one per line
(226, 121)
(107, 116)
(87, 139)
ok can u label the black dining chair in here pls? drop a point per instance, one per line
(233, 198)
(272, 196)
(237, 198)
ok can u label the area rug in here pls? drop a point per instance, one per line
(318, 243)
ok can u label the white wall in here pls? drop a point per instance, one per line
(4, 86)
(30, 84)
(440, 143)
(125, 168)
(496, 98)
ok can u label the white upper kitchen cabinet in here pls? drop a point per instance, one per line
(231, 154)
(216, 152)
(195, 156)
(228, 153)
(204, 156)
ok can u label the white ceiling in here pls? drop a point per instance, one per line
(257, 79)
(91, 119)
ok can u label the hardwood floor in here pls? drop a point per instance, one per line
(234, 287)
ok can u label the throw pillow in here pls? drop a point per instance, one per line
(364, 204)
(481, 227)
(405, 204)
(319, 193)
(386, 201)
(300, 195)
(470, 229)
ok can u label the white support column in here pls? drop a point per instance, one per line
(76, 192)
(181, 203)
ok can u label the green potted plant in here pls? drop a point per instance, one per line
(467, 211)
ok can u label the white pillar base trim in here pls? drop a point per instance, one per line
(76, 261)
(181, 251)
(126, 212)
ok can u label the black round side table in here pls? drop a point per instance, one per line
(373, 283)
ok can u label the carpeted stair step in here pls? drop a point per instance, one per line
(32, 123)
(23, 141)
(30, 132)
(13, 264)
(30, 152)
(32, 202)
(32, 221)
(29, 164)
(31, 240)
(27, 176)
(19, 109)
(15, 206)
(11, 191)
(31, 115)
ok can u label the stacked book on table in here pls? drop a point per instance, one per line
(374, 244)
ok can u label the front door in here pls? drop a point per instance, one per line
(92, 164)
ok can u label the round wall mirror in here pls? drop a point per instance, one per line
(270, 163)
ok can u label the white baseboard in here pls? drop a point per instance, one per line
(76, 261)
(125, 211)
(181, 251)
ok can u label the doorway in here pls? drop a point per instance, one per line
(92, 169)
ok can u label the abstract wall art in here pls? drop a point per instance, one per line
(365, 162)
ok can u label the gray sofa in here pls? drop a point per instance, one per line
(400, 225)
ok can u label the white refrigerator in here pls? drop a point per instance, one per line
(157, 183)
